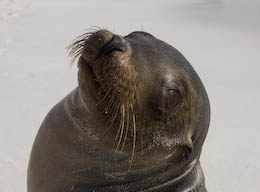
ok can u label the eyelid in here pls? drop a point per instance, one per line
(170, 98)
(173, 97)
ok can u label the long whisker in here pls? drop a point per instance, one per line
(122, 120)
(126, 133)
(75, 49)
(134, 139)
(111, 101)
(111, 120)
(108, 92)
(122, 128)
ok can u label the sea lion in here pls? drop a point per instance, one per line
(136, 122)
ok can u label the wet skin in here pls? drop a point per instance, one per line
(136, 122)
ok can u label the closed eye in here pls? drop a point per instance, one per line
(170, 98)
(173, 97)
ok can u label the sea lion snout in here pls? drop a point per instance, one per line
(101, 45)
(117, 43)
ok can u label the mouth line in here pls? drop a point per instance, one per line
(115, 44)
(108, 52)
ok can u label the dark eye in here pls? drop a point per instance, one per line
(171, 98)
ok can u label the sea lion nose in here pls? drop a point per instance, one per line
(117, 43)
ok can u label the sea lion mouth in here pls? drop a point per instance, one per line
(115, 47)
(115, 44)
(105, 58)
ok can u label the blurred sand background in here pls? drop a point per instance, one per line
(220, 38)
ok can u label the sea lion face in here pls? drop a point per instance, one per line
(152, 100)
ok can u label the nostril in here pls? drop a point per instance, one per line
(115, 44)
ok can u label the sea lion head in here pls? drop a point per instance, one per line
(152, 100)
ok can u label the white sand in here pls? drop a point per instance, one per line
(220, 38)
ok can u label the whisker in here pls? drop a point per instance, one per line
(111, 102)
(122, 128)
(126, 133)
(111, 120)
(134, 139)
(122, 120)
(75, 49)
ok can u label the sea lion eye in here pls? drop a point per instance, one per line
(171, 98)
